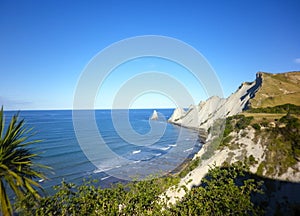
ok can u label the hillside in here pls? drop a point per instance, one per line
(269, 145)
(266, 90)
(277, 89)
(259, 125)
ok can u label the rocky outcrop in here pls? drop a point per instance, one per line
(203, 115)
(177, 115)
(154, 116)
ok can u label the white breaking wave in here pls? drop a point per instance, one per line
(190, 149)
(101, 170)
(106, 177)
(165, 148)
(136, 152)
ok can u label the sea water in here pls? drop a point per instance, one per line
(61, 150)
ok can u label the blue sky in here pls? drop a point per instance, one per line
(45, 45)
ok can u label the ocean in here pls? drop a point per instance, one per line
(132, 149)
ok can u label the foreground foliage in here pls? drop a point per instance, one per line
(17, 169)
(225, 191)
(135, 198)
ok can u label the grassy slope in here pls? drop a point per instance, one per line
(278, 89)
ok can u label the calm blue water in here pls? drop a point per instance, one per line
(139, 151)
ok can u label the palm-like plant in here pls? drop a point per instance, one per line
(17, 169)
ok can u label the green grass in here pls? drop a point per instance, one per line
(278, 89)
(284, 109)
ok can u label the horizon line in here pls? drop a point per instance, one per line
(68, 109)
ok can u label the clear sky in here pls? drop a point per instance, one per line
(45, 45)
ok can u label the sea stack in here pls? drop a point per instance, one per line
(154, 115)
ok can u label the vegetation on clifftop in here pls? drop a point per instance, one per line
(277, 89)
(285, 108)
(277, 131)
(283, 146)
(217, 195)
(224, 191)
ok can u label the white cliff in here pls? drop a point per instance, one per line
(154, 115)
(177, 115)
(203, 115)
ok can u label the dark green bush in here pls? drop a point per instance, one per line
(243, 122)
(225, 191)
(135, 198)
(228, 128)
(291, 133)
(256, 126)
(226, 140)
(191, 166)
(264, 124)
(293, 109)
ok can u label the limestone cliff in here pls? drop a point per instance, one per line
(203, 115)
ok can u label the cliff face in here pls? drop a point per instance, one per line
(267, 139)
(203, 115)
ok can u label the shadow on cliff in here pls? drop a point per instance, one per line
(252, 91)
(278, 198)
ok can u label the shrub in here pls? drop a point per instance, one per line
(224, 191)
(135, 198)
(243, 122)
(264, 124)
(293, 109)
(256, 126)
(228, 128)
(191, 166)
